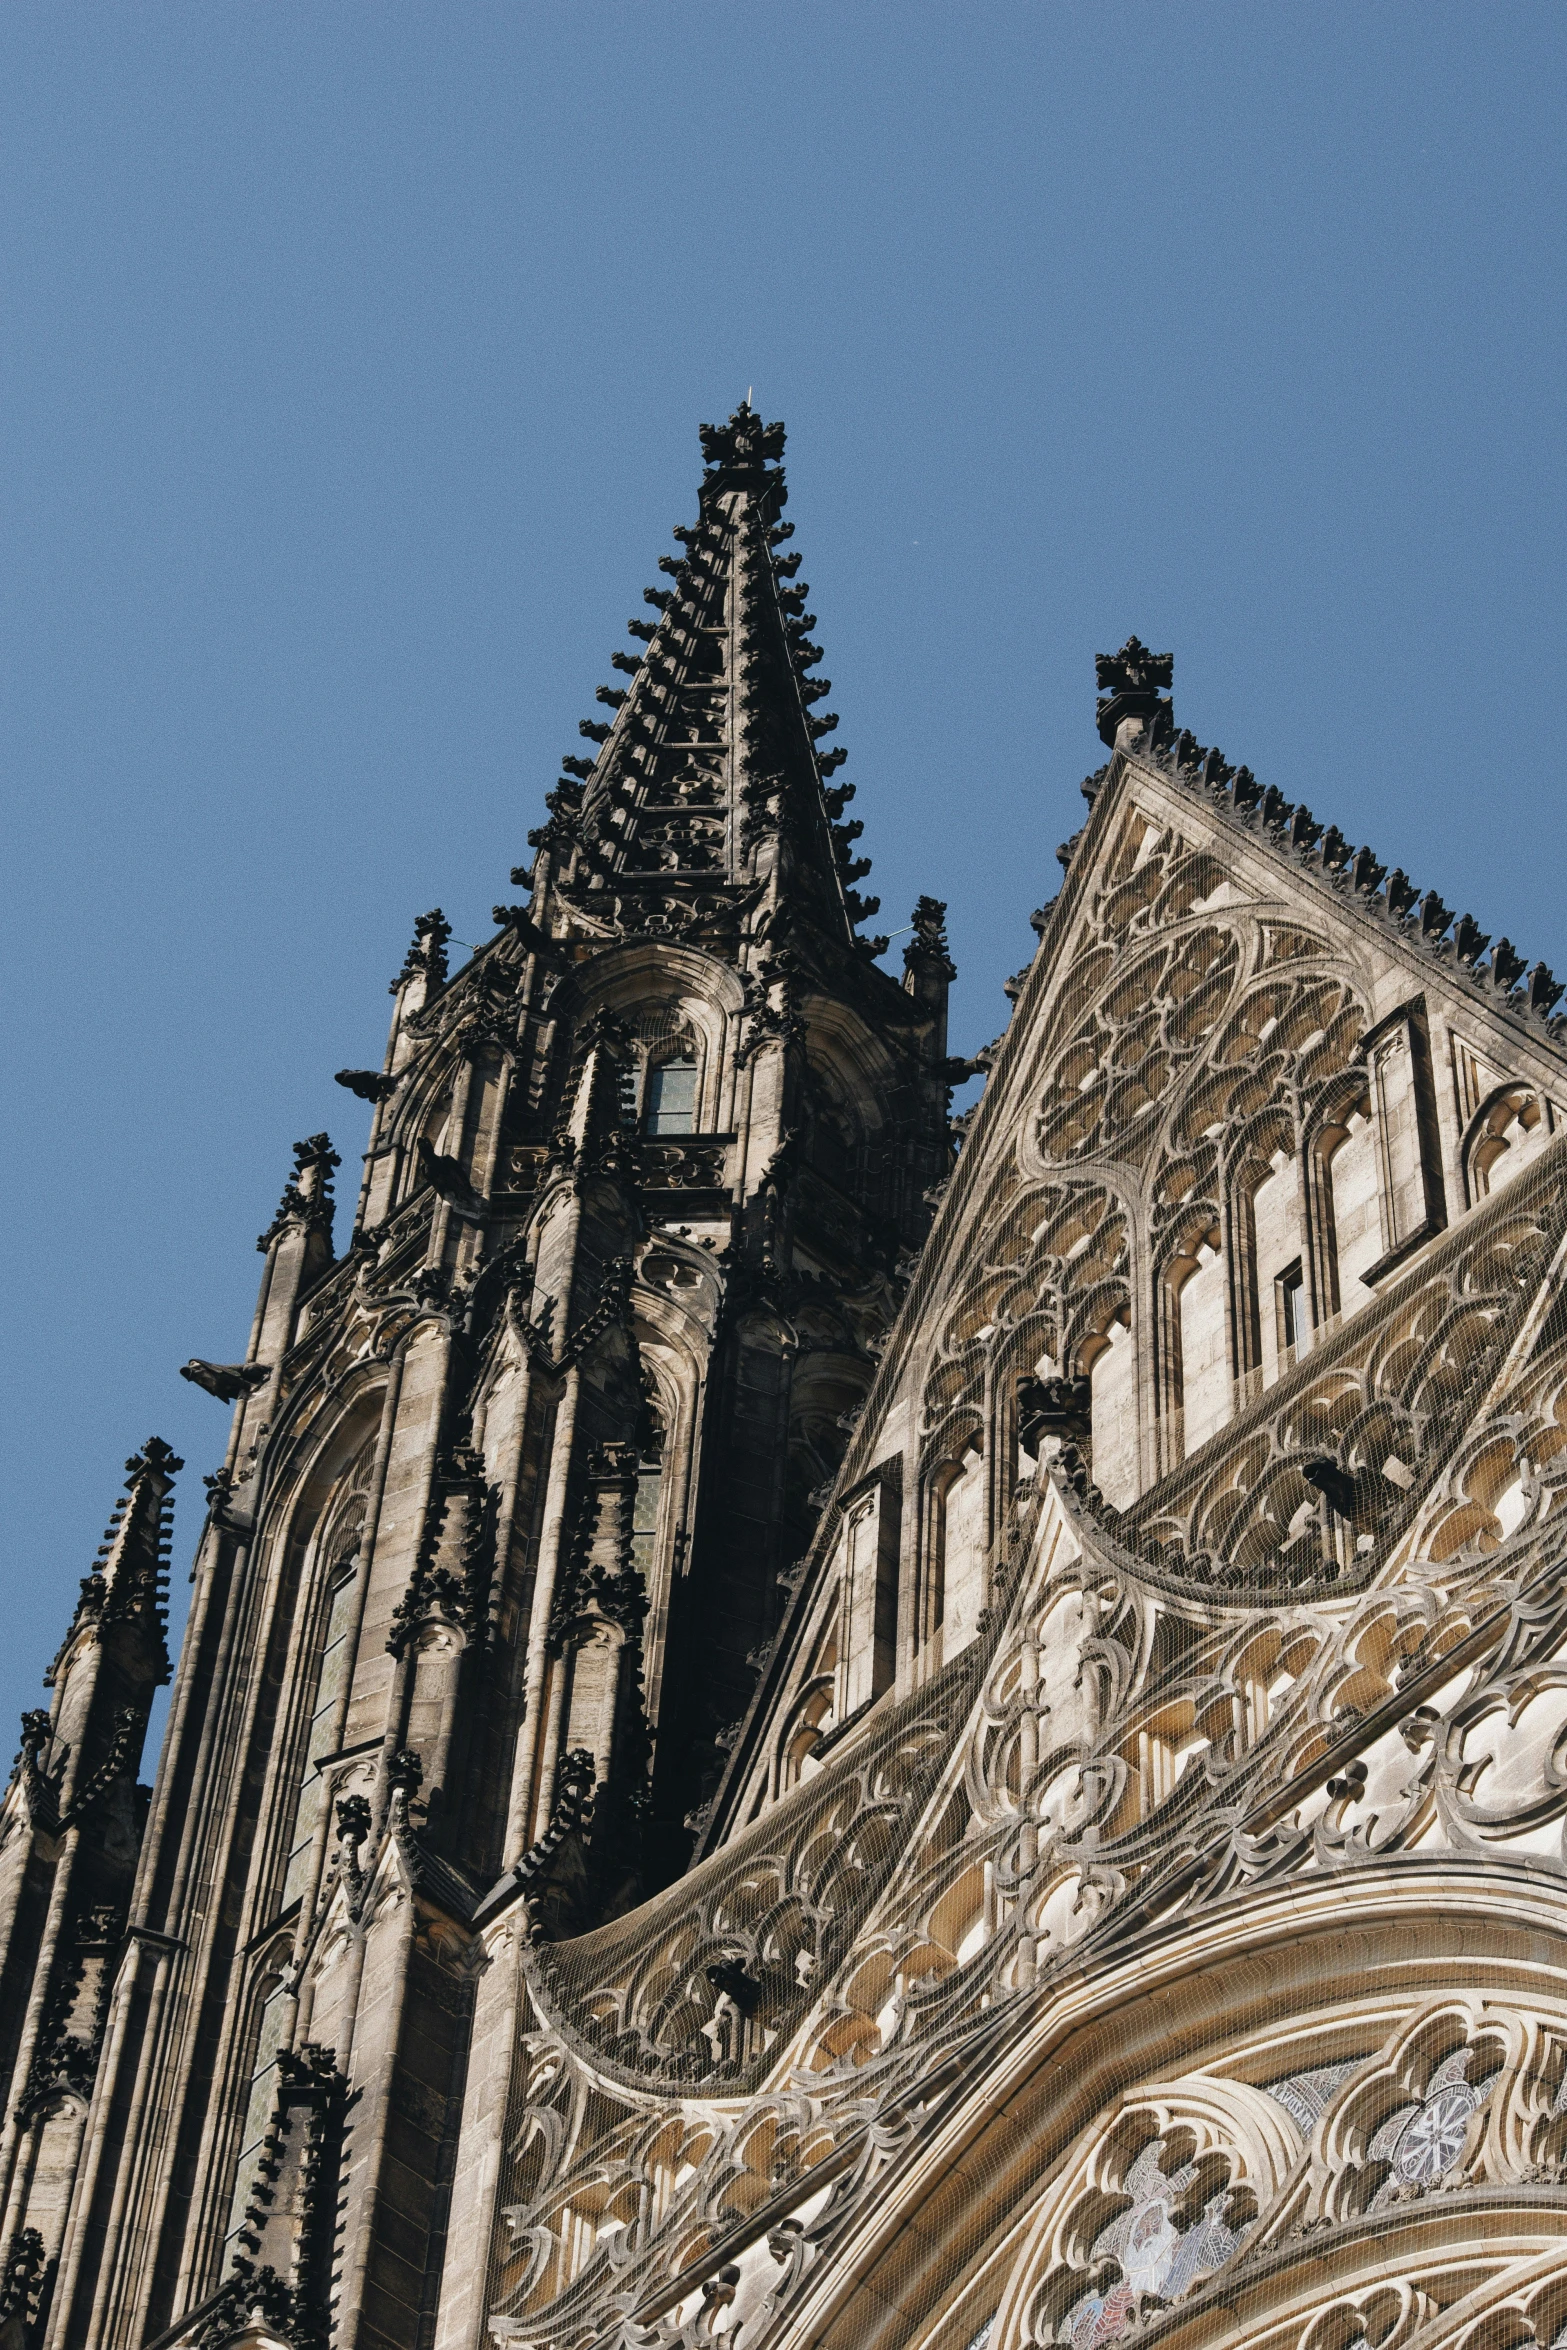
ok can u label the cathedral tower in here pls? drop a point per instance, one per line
(807, 1729)
(515, 1483)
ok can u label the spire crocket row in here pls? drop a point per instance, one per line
(810, 1722)
(708, 779)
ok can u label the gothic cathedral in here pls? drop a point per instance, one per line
(814, 1726)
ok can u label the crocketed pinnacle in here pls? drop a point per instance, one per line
(129, 1578)
(708, 776)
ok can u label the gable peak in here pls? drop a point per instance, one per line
(1136, 718)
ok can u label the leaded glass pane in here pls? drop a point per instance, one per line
(670, 1100)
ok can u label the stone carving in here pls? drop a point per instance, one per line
(227, 1381)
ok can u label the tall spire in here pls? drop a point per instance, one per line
(708, 786)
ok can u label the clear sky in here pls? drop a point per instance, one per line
(351, 364)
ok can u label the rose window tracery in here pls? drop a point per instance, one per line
(1422, 2143)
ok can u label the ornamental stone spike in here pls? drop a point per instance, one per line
(1134, 703)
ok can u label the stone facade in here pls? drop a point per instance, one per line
(808, 1722)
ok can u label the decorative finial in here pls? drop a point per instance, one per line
(428, 952)
(744, 445)
(128, 1576)
(929, 943)
(1131, 685)
(307, 1195)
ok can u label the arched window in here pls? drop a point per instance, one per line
(271, 2011)
(1510, 1130)
(323, 1717)
(802, 1733)
(644, 1514)
(669, 1097)
(812, 1713)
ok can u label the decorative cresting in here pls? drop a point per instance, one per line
(1420, 921)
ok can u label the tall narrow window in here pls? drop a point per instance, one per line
(1275, 1265)
(332, 1673)
(1357, 1224)
(1112, 1415)
(1206, 1394)
(262, 2098)
(669, 1100)
(644, 1511)
(1290, 1291)
(323, 1714)
(869, 1615)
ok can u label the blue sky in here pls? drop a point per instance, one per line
(350, 374)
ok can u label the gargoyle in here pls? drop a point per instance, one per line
(1336, 1483)
(227, 1381)
(1053, 1407)
(446, 1176)
(371, 1085)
